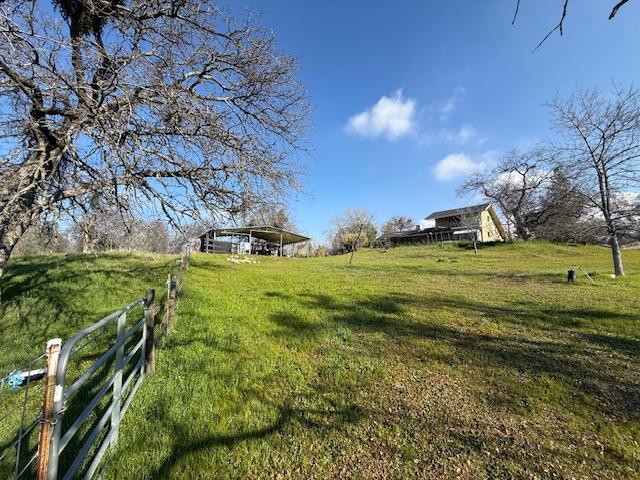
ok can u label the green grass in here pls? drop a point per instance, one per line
(418, 362)
(57, 296)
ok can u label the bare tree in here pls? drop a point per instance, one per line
(156, 237)
(397, 223)
(354, 229)
(629, 203)
(469, 221)
(601, 152)
(566, 210)
(186, 239)
(271, 215)
(45, 237)
(166, 107)
(559, 27)
(517, 185)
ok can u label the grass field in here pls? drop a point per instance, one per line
(56, 296)
(419, 362)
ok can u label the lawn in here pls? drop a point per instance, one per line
(56, 296)
(417, 362)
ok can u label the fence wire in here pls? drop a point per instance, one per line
(21, 395)
(22, 390)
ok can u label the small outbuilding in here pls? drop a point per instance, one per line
(253, 239)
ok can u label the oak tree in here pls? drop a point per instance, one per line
(158, 107)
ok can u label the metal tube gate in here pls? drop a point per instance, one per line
(115, 384)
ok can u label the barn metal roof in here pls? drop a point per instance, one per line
(263, 232)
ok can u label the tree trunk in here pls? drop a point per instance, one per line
(617, 255)
(9, 236)
(4, 258)
(521, 228)
(19, 211)
(87, 235)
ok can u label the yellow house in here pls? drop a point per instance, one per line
(463, 222)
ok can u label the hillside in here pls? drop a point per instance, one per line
(52, 296)
(56, 296)
(421, 361)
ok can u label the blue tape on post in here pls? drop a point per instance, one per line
(14, 381)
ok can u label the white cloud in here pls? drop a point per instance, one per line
(459, 165)
(515, 179)
(627, 198)
(391, 117)
(448, 106)
(467, 134)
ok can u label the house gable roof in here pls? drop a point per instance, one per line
(458, 211)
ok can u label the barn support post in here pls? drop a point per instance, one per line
(250, 232)
(281, 244)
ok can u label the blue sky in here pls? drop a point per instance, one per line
(398, 87)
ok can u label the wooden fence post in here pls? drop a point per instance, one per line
(46, 425)
(172, 282)
(150, 346)
(171, 312)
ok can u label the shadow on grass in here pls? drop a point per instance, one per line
(468, 245)
(287, 416)
(44, 274)
(571, 357)
(565, 354)
(55, 296)
(429, 268)
(627, 346)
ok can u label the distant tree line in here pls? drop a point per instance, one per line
(102, 233)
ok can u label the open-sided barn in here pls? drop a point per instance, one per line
(254, 239)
